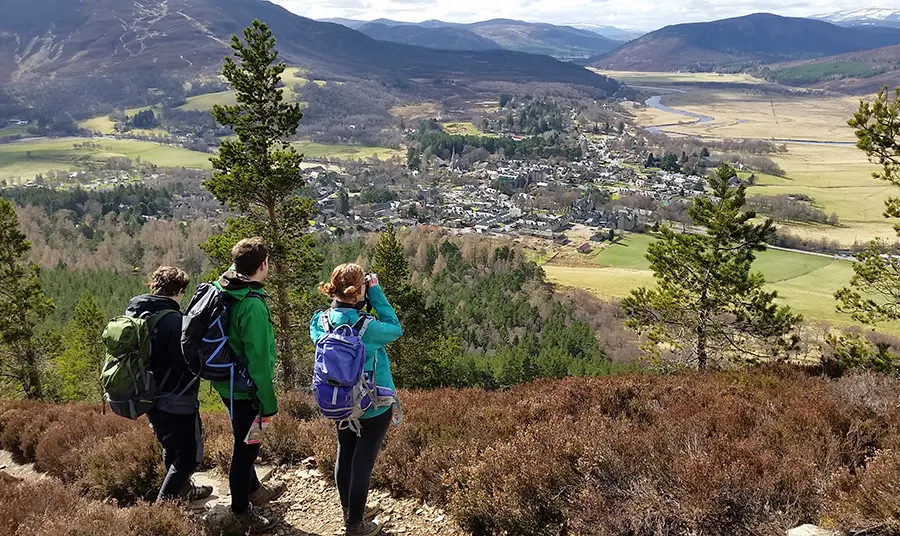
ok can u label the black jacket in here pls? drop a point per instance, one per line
(165, 354)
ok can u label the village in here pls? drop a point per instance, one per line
(514, 198)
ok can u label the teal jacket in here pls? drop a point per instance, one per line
(381, 332)
(251, 335)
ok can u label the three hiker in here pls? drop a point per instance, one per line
(359, 442)
(157, 357)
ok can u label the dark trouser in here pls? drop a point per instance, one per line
(355, 461)
(242, 477)
(182, 441)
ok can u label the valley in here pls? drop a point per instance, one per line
(507, 181)
(818, 155)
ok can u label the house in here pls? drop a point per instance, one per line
(585, 248)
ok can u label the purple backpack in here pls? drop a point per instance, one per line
(343, 390)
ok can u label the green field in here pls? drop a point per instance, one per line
(344, 152)
(20, 162)
(13, 131)
(805, 282)
(205, 102)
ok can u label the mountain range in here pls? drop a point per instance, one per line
(743, 41)
(563, 42)
(43, 40)
(870, 16)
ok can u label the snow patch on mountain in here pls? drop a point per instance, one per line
(868, 16)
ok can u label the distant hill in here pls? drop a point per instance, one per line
(445, 38)
(871, 16)
(858, 73)
(63, 40)
(610, 32)
(743, 41)
(564, 42)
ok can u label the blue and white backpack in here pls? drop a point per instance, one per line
(343, 390)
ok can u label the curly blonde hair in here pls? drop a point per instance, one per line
(347, 284)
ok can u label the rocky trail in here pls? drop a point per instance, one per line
(310, 507)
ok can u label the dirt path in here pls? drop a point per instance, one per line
(310, 507)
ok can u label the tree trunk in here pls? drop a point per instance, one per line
(31, 375)
(702, 357)
(282, 307)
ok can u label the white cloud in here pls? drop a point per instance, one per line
(641, 14)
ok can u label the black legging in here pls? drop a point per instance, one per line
(355, 462)
(181, 437)
(242, 477)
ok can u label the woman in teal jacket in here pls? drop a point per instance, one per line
(357, 452)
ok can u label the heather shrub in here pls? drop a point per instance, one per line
(49, 508)
(62, 450)
(126, 468)
(218, 442)
(867, 502)
(724, 453)
(24, 504)
(297, 405)
(286, 441)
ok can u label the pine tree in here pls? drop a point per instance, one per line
(708, 303)
(872, 296)
(419, 358)
(389, 262)
(258, 174)
(80, 363)
(23, 305)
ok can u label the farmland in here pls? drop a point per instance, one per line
(805, 282)
(640, 78)
(833, 172)
(20, 162)
(314, 151)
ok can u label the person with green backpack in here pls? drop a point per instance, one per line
(145, 373)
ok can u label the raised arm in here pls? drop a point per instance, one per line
(387, 328)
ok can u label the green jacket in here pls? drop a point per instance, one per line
(380, 333)
(251, 335)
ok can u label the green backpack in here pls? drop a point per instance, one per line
(128, 384)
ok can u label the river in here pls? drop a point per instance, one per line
(656, 102)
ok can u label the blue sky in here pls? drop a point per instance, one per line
(637, 14)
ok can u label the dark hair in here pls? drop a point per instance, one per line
(168, 281)
(249, 255)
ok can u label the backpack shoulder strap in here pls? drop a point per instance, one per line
(154, 320)
(363, 324)
(326, 320)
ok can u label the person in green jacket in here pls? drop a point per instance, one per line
(356, 454)
(252, 337)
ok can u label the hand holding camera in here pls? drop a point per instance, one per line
(371, 280)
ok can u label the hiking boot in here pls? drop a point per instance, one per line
(364, 528)
(266, 494)
(253, 521)
(191, 493)
(370, 513)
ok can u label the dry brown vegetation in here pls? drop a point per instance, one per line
(725, 453)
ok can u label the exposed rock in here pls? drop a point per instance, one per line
(811, 530)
